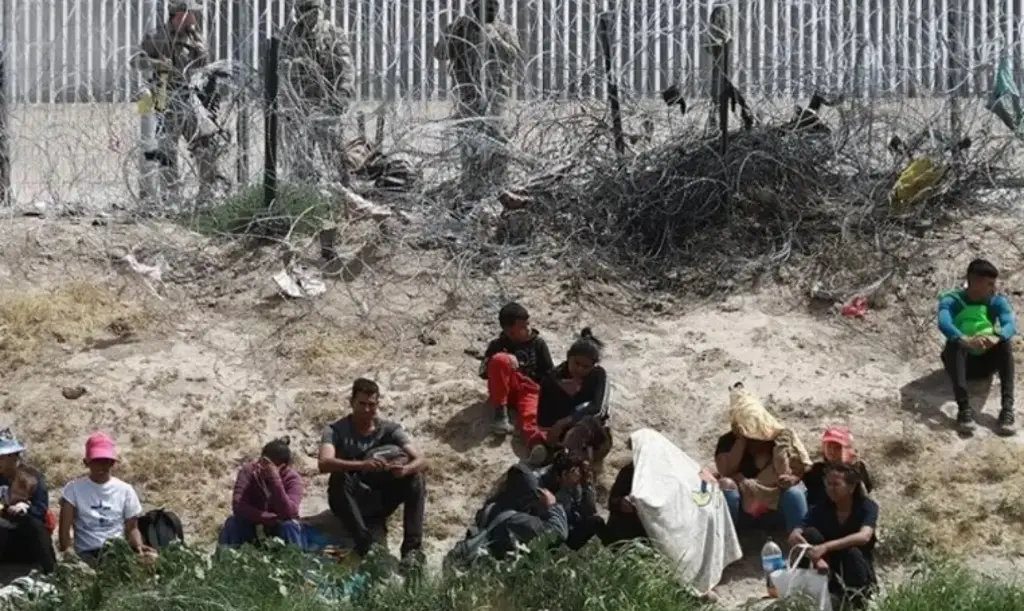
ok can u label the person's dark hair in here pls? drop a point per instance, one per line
(982, 268)
(851, 475)
(511, 313)
(587, 346)
(565, 461)
(364, 386)
(278, 451)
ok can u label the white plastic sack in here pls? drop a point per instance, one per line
(693, 529)
(809, 584)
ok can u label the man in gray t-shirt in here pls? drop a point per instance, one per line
(374, 468)
(349, 444)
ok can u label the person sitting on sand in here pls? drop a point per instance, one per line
(978, 325)
(760, 464)
(99, 507)
(575, 394)
(569, 479)
(266, 499)
(836, 447)
(374, 469)
(24, 510)
(841, 533)
(623, 522)
(518, 512)
(514, 365)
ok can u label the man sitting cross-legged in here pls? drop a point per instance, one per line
(979, 326)
(374, 469)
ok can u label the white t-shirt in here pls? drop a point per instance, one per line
(100, 510)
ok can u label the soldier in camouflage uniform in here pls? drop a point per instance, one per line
(483, 54)
(173, 51)
(319, 77)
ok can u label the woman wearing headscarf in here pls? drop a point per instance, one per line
(760, 466)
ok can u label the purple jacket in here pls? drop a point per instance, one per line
(266, 500)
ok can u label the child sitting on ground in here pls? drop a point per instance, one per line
(17, 499)
(836, 447)
(574, 395)
(514, 365)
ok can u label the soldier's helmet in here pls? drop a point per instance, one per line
(177, 6)
(302, 6)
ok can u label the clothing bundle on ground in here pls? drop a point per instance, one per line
(686, 518)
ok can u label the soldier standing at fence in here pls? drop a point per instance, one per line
(316, 65)
(173, 52)
(483, 54)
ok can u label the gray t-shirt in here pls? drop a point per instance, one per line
(350, 445)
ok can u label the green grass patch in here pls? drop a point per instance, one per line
(631, 578)
(298, 209)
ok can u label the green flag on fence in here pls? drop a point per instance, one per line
(1004, 100)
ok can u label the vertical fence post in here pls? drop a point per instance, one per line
(270, 124)
(6, 198)
(956, 74)
(719, 35)
(242, 46)
(605, 33)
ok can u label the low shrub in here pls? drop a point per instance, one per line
(630, 578)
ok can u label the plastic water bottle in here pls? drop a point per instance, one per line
(772, 560)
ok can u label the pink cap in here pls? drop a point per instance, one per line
(100, 447)
(838, 434)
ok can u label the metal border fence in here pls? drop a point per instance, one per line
(77, 50)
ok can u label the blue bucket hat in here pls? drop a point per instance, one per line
(9, 444)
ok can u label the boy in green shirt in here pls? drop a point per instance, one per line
(978, 325)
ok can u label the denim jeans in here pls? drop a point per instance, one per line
(790, 515)
(238, 532)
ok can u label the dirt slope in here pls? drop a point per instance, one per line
(193, 375)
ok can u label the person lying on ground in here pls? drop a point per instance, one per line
(266, 499)
(574, 391)
(569, 479)
(99, 507)
(841, 531)
(836, 447)
(514, 365)
(367, 487)
(760, 464)
(623, 521)
(24, 510)
(519, 512)
(978, 325)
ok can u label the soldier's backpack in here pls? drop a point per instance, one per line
(160, 528)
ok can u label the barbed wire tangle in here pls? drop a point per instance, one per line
(484, 130)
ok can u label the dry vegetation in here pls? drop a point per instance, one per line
(75, 316)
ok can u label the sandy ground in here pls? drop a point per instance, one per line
(195, 375)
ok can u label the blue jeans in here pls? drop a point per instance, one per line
(791, 513)
(238, 532)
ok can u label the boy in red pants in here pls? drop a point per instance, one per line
(514, 364)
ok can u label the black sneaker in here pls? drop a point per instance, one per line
(1007, 424)
(965, 421)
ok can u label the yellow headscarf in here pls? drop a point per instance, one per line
(749, 417)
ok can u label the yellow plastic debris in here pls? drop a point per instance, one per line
(916, 182)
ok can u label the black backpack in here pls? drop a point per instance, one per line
(160, 528)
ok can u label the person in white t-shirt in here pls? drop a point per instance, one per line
(100, 507)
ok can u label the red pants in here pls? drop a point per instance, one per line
(507, 387)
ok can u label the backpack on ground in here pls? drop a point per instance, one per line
(160, 528)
